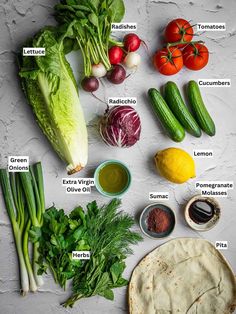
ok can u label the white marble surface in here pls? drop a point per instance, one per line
(19, 134)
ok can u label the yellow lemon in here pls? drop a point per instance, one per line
(175, 165)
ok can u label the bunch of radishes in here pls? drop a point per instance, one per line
(126, 54)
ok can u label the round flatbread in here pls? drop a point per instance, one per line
(183, 276)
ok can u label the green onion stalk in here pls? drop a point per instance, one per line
(32, 182)
(18, 223)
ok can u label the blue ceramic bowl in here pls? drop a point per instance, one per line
(96, 178)
(144, 217)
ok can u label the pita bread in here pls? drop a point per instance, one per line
(183, 276)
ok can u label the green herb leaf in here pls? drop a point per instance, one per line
(117, 270)
(102, 282)
(81, 8)
(118, 10)
(71, 2)
(108, 294)
(93, 19)
(35, 234)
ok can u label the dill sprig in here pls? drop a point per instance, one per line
(109, 236)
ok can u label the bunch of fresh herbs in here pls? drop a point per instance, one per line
(104, 231)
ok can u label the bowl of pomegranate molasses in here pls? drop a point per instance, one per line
(157, 221)
(202, 213)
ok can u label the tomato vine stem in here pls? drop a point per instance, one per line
(182, 42)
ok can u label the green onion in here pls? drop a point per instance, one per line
(18, 224)
(23, 193)
(32, 182)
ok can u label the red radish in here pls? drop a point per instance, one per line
(132, 42)
(90, 84)
(99, 70)
(115, 55)
(132, 60)
(117, 74)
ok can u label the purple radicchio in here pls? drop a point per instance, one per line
(120, 126)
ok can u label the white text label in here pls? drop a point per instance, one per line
(211, 27)
(33, 51)
(214, 82)
(18, 163)
(78, 185)
(123, 27)
(214, 188)
(129, 101)
(164, 196)
(221, 245)
(203, 153)
(82, 255)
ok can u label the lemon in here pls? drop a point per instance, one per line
(175, 165)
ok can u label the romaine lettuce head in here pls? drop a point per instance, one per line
(51, 90)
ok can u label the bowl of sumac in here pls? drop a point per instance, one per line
(157, 221)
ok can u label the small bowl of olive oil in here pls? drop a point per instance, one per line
(112, 178)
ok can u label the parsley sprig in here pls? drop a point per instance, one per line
(59, 236)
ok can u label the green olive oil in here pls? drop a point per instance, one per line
(113, 178)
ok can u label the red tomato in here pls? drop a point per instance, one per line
(195, 56)
(178, 29)
(115, 55)
(168, 62)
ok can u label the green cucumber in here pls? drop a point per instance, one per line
(169, 122)
(180, 110)
(199, 109)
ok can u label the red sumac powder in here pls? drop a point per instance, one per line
(158, 220)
